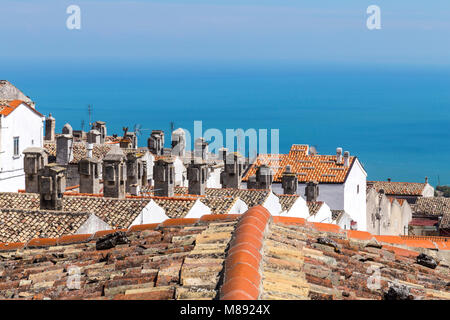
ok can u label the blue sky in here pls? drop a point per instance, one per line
(302, 31)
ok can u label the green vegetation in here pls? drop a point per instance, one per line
(443, 189)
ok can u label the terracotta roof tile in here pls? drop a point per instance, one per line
(398, 188)
(260, 257)
(308, 167)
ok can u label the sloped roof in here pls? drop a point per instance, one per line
(175, 207)
(398, 188)
(118, 213)
(79, 150)
(23, 225)
(251, 197)
(9, 92)
(7, 107)
(258, 256)
(314, 206)
(308, 167)
(287, 200)
(177, 260)
(431, 206)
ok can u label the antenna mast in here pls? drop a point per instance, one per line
(90, 115)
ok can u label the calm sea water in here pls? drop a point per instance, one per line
(396, 120)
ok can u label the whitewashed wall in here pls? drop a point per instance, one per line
(354, 201)
(28, 126)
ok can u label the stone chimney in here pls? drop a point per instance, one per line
(89, 170)
(67, 129)
(251, 183)
(156, 142)
(52, 185)
(144, 179)
(339, 155)
(100, 126)
(50, 128)
(223, 154)
(114, 173)
(89, 148)
(135, 171)
(201, 149)
(94, 137)
(388, 179)
(346, 159)
(197, 175)
(231, 176)
(312, 191)
(264, 177)
(64, 149)
(178, 142)
(289, 181)
(35, 159)
(164, 177)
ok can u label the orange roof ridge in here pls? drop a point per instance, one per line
(242, 279)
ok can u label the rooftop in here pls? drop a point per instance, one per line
(307, 166)
(260, 257)
(398, 188)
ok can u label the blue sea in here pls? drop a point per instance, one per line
(395, 119)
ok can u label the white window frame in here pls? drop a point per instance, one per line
(16, 155)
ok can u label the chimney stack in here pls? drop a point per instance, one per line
(67, 129)
(156, 142)
(135, 171)
(346, 159)
(89, 148)
(264, 177)
(178, 142)
(114, 174)
(94, 136)
(164, 177)
(35, 159)
(100, 126)
(201, 149)
(64, 149)
(251, 182)
(289, 181)
(50, 128)
(312, 191)
(231, 176)
(223, 154)
(426, 180)
(338, 155)
(52, 185)
(389, 179)
(197, 174)
(89, 170)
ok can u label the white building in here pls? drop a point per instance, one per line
(341, 177)
(21, 126)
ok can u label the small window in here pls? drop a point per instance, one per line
(16, 146)
(357, 189)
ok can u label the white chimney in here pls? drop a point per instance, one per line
(89, 148)
(346, 159)
(338, 155)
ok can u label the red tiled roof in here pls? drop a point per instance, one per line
(321, 168)
(398, 188)
(267, 258)
(7, 107)
(422, 222)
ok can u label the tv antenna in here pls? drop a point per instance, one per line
(90, 114)
(138, 129)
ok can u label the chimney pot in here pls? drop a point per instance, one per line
(338, 155)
